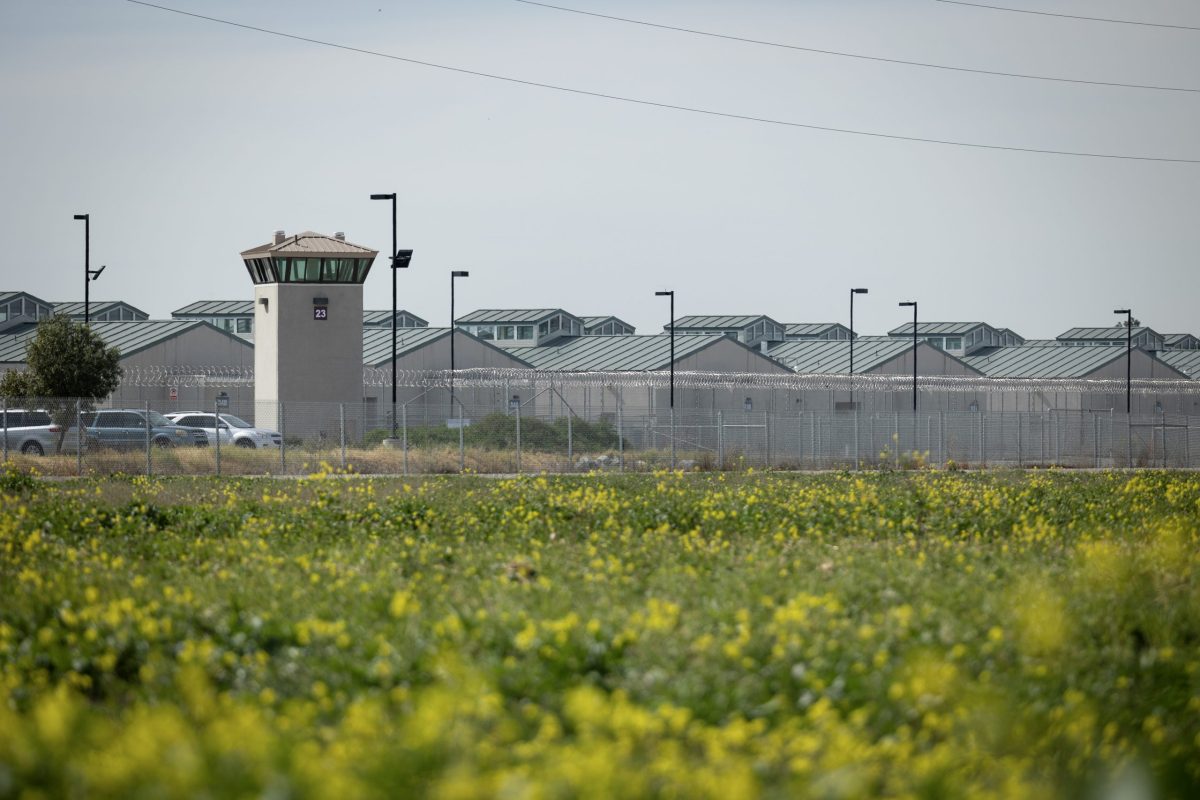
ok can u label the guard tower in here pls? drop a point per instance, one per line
(308, 304)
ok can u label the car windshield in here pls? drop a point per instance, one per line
(158, 420)
(235, 422)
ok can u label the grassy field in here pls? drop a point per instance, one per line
(923, 635)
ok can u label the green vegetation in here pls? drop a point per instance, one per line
(918, 635)
(498, 431)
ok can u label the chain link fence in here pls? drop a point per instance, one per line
(74, 437)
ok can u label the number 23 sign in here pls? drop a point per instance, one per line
(320, 312)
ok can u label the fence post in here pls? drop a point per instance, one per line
(1096, 440)
(570, 442)
(672, 438)
(462, 463)
(1020, 457)
(942, 438)
(1164, 437)
(282, 440)
(149, 463)
(519, 439)
(982, 440)
(404, 434)
(342, 431)
(720, 441)
(5, 413)
(817, 433)
(620, 437)
(857, 459)
(896, 437)
(79, 437)
(767, 429)
(217, 433)
(812, 436)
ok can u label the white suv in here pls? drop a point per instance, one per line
(35, 433)
(234, 431)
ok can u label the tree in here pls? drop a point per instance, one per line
(66, 361)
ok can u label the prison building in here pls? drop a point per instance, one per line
(520, 328)
(203, 359)
(750, 330)
(101, 311)
(1058, 362)
(237, 316)
(382, 318)
(606, 326)
(1180, 341)
(874, 355)
(711, 353)
(422, 350)
(959, 338)
(1143, 337)
(800, 331)
(1186, 361)
(19, 310)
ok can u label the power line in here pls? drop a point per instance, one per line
(862, 56)
(671, 106)
(1072, 16)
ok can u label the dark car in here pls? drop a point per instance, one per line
(126, 429)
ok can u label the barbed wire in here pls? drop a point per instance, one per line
(191, 376)
(499, 378)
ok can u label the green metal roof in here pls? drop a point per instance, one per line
(509, 315)
(939, 328)
(1181, 340)
(1186, 361)
(620, 353)
(593, 322)
(7, 296)
(129, 337)
(377, 343)
(1093, 334)
(216, 308)
(1044, 361)
(75, 310)
(383, 317)
(812, 329)
(709, 322)
(832, 356)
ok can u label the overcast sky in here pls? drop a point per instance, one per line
(189, 141)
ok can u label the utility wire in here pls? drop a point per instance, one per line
(1072, 16)
(862, 56)
(674, 107)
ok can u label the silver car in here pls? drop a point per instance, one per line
(234, 431)
(34, 433)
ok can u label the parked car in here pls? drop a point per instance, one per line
(34, 433)
(234, 431)
(125, 429)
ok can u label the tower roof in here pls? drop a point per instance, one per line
(309, 243)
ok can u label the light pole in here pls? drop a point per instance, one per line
(913, 303)
(852, 337)
(400, 260)
(89, 274)
(458, 273)
(1128, 312)
(671, 294)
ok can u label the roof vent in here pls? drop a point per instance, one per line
(279, 237)
(340, 236)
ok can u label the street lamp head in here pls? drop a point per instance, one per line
(402, 258)
(459, 273)
(1122, 311)
(859, 291)
(391, 196)
(95, 273)
(664, 294)
(82, 216)
(909, 303)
